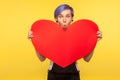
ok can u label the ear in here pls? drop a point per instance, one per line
(72, 19)
(56, 19)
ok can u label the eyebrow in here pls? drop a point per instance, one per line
(66, 14)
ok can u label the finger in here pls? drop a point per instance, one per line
(99, 32)
(99, 38)
(30, 35)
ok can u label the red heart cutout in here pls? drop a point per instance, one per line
(64, 46)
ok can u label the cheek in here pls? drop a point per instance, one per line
(59, 21)
(69, 21)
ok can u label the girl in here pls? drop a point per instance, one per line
(64, 16)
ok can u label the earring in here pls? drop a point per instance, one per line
(72, 20)
(56, 21)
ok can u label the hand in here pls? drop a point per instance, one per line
(30, 35)
(99, 35)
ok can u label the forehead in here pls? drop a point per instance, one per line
(66, 12)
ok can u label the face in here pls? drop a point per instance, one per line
(64, 18)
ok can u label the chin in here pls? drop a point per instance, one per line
(64, 26)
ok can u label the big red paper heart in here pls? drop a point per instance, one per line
(64, 46)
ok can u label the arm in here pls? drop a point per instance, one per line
(88, 57)
(41, 57)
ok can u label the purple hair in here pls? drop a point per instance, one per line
(61, 8)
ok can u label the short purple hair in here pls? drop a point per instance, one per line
(61, 8)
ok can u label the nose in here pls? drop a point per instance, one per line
(64, 20)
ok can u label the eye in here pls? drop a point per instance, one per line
(68, 16)
(60, 16)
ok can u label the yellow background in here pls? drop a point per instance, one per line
(18, 60)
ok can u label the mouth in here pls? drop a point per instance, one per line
(65, 28)
(64, 25)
